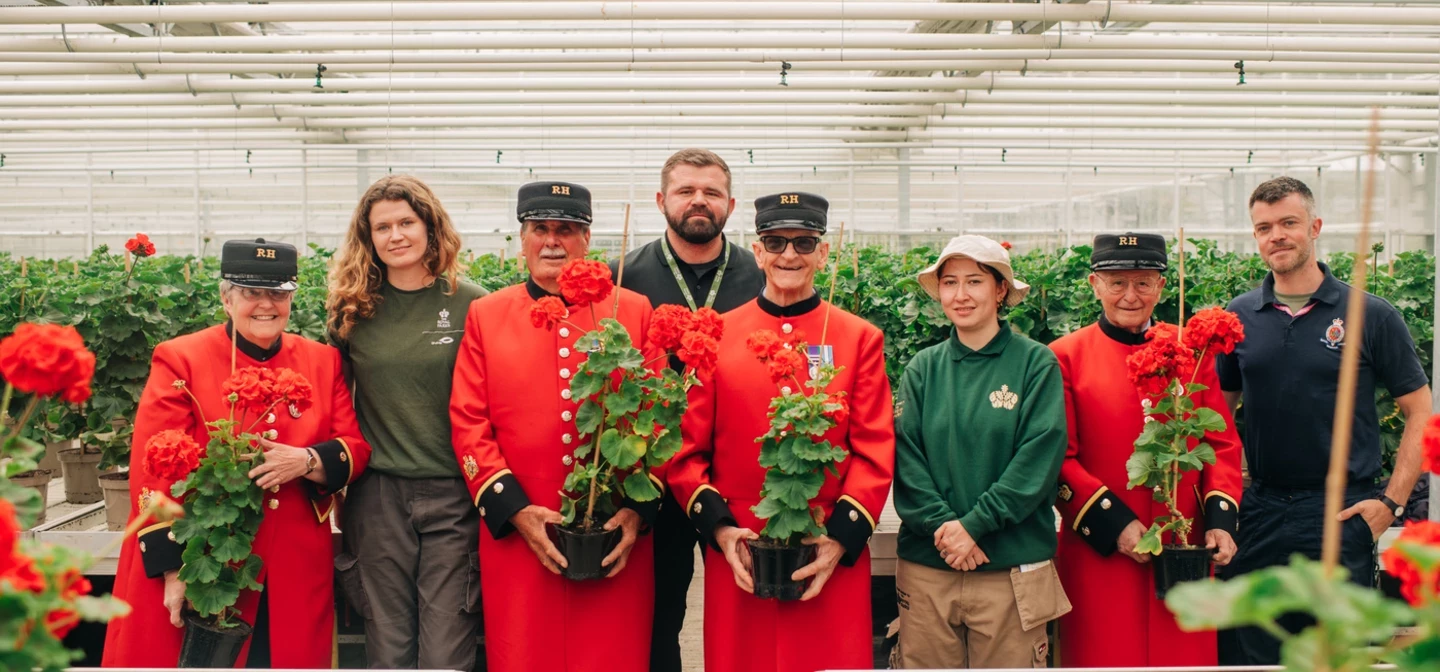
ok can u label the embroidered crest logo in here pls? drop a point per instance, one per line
(147, 497)
(1334, 334)
(1004, 398)
(444, 321)
(1066, 494)
(471, 468)
(899, 407)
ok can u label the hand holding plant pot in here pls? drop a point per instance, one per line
(629, 421)
(793, 547)
(1172, 442)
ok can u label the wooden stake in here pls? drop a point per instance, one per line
(620, 271)
(1335, 481)
(834, 280)
(186, 271)
(24, 266)
(129, 261)
(855, 266)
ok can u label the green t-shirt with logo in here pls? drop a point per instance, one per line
(979, 438)
(402, 361)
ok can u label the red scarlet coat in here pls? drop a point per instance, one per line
(1117, 622)
(294, 538)
(718, 475)
(513, 421)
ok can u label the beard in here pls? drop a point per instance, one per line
(1302, 257)
(697, 226)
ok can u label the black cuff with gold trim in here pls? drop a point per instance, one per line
(708, 510)
(1221, 513)
(1102, 520)
(850, 525)
(335, 458)
(500, 499)
(647, 510)
(159, 553)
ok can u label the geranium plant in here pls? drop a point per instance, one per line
(43, 590)
(794, 452)
(1173, 440)
(222, 505)
(629, 421)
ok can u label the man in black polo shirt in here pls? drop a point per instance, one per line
(1287, 371)
(692, 265)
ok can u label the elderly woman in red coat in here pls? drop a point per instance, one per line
(312, 455)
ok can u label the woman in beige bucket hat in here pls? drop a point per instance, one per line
(980, 435)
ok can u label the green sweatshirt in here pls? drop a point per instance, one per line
(979, 438)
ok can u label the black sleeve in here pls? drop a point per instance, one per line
(336, 459)
(1102, 519)
(499, 499)
(1221, 513)
(850, 526)
(1397, 365)
(708, 510)
(159, 553)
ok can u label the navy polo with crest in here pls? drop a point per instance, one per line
(1288, 368)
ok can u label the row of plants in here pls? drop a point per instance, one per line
(124, 305)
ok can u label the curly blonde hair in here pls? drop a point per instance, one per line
(357, 275)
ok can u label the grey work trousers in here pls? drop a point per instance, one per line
(411, 567)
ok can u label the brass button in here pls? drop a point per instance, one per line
(271, 434)
(564, 352)
(170, 536)
(270, 419)
(564, 332)
(1105, 504)
(567, 460)
(482, 512)
(564, 373)
(787, 328)
(274, 504)
(499, 488)
(567, 416)
(1085, 531)
(142, 547)
(697, 507)
(566, 439)
(1224, 505)
(565, 394)
(274, 488)
(854, 516)
(785, 389)
(343, 458)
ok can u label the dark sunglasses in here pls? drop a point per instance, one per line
(777, 244)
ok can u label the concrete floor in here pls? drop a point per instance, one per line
(692, 634)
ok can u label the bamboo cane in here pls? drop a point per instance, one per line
(620, 272)
(1335, 481)
(834, 280)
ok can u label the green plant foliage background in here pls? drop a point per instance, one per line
(123, 318)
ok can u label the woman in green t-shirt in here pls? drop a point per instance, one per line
(397, 311)
(979, 438)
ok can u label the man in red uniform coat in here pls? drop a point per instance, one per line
(1117, 622)
(513, 421)
(718, 474)
(297, 623)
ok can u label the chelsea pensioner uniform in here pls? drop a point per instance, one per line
(294, 538)
(1117, 622)
(718, 476)
(513, 420)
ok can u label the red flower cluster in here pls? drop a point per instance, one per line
(71, 584)
(699, 351)
(1006, 244)
(548, 312)
(253, 388)
(1155, 367)
(1415, 584)
(1214, 330)
(16, 568)
(585, 281)
(293, 390)
(48, 359)
(1430, 444)
(781, 357)
(764, 343)
(140, 245)
(668, 324)
(171, 455)
(840, 414)
(708, 322)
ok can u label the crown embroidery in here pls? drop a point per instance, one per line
(444, 321)
(471, 468)
(1004, 398)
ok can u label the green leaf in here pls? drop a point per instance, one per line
(1209, 419)
(793, 490)
(639, 487)
(1204, 452)
(202, 570)
(625, 401)
(665, 446)
(1150, 541)
(586, 383)
(788, 523)
(227, 547)
(1139, 467)
(249, 574)
(209, 599)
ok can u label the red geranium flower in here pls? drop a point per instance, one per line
(72, 584)
(548, 312)
(699, 351)
(1415, 584)
(1005, 244)
(292, 389)
(1155, 367)
(709, 322)
(667, 324)
(784, 364)
(585, 281)
(253, 387)
(22, 575)
(47, 359)
(140, 245)
(9, 533)
(1430, 442)
(171, 455)
(61, 621)
(764, 343)
(1214, 330)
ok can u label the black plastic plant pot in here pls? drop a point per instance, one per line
(206, 645)
(771, 565)
(1178, 564)
(584, 551)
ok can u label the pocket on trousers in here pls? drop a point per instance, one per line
(1039, 596)
(347, 567)
(472, 584)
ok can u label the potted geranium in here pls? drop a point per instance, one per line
(629, 421)
(1172, 443)
(43, 590)
(222, 508)
(796, 458)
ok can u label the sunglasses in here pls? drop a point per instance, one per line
(255, 294)
(777, 244)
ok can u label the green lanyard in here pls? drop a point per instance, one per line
(680, 280)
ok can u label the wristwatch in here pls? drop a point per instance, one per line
(1397, 509)
(312, 460)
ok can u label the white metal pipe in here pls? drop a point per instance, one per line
(581, 86)
(648, 11)
(533, 111)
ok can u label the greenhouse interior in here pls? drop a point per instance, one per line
(146, 146)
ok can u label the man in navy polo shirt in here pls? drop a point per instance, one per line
(1287, 371)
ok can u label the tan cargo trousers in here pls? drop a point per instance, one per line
(976, 619)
